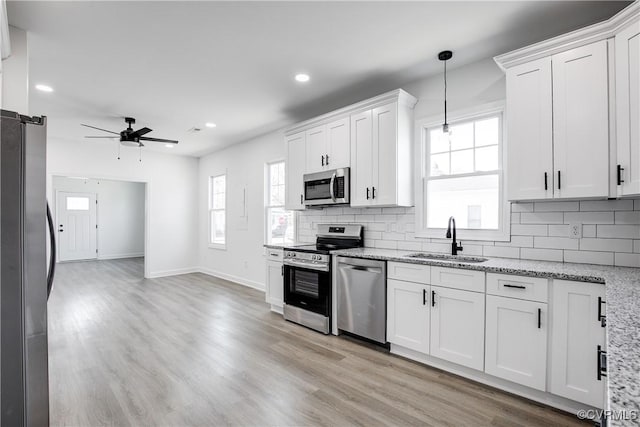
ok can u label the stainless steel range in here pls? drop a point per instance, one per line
(307, 275)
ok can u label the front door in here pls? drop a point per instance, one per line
(77, 226)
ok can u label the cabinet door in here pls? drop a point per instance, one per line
(295, 171)
(275, 283)
(361, 159)
(627, 44)
(576, 334)
(316, 149)
(408, 314)
(457, 326)
(529, 131)
(385, 140)
(581, 122)
(516, 347)
(338, 144)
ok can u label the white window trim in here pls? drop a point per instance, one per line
(267, 191)
(220, 246)
(503, 234)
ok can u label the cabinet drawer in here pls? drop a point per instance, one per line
(408, 272)
(526, 288)
(456, 278)
(274, 254)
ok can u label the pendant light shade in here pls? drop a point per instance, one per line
(444, 56)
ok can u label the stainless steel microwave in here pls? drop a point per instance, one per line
(327, 188)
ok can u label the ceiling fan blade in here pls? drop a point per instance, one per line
(109, 137)
(140, 132)
(169, 141)
(103, 130)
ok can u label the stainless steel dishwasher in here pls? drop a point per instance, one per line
(362, 298)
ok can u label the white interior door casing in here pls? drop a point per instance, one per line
(516, 341)
(581, 122)
(627, 57)
(576, 334)
(77, 219)
(530, 131)
(457, 326)
(408, 314)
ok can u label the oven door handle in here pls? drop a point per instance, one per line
(317, 267)
(331, 184)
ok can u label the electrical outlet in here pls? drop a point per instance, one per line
(575, 231)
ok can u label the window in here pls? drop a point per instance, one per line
(462, 176)
(280, 223)
(77, 203)
(217, 210)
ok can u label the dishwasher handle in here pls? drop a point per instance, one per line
(376, 270)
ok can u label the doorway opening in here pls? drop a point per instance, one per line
(99, 219)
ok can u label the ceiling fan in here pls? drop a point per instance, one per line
(129, 137)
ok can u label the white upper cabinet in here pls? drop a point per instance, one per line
(529, 130)
(328, 146)
(380, 155)
(581, 122)
(627, 54)
(372, 137)
(573, 103)
(295, 170)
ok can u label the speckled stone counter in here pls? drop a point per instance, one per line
(283, 245)
(623, 310)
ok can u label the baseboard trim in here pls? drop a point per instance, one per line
(176, 272)
(239, 280)
(121, 256)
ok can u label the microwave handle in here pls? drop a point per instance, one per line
(331, 185)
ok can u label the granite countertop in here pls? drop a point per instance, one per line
(623, 309)
(284, 245)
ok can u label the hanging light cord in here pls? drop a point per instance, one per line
(446, 125)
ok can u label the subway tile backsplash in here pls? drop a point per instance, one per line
(539, 231)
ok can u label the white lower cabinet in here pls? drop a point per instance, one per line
(516, 341)
(457, 326)
(408, 314)
(577, 335)
(274, 285)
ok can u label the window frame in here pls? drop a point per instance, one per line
(211, 244)
(267, 201)
(422, 163)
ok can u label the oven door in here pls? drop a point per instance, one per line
(308, 288)
(326, 188)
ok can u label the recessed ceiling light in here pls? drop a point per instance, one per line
(210, 125)
(302, 77)
(169, 145)
(44, 88)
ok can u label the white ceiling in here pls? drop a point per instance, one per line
(176, 65)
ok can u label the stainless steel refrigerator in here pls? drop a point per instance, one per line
(25, 279)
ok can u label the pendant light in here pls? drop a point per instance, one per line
(444, 56)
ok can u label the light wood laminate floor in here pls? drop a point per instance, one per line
(196, 350)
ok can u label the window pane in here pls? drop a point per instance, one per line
(438, 141)
(487, 158)
(77, 203)
(462, 161)
(440, 164)
(218, 201)
(461, 136)
(487, 131)
(473, 201)
(217, 227)
(280, 223)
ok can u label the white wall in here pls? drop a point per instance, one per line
(15, 74)
(171, 226)
(120, 213)
(242, 260)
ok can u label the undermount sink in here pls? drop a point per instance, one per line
(449, 258)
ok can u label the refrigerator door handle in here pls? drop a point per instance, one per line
(52, 257)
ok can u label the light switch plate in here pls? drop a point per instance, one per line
(575, 230)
